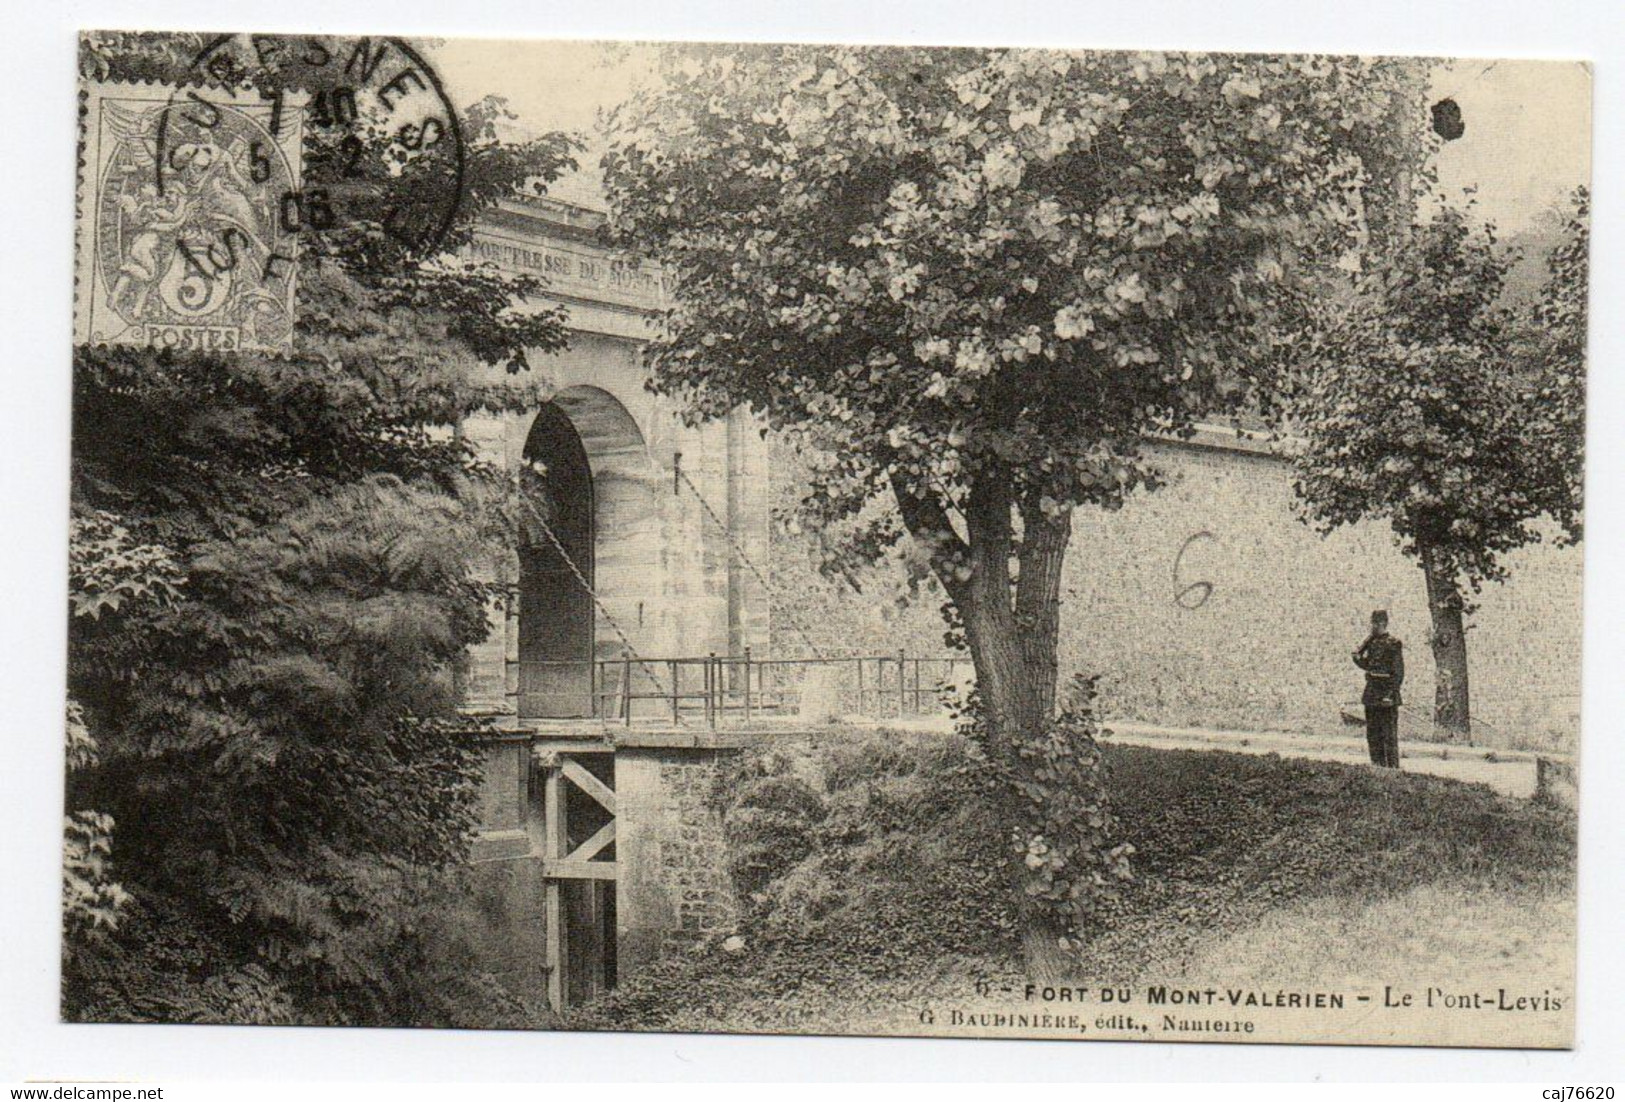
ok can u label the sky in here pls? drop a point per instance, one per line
(1527, 141)
(1528, 136)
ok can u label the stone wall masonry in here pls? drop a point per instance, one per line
(1269, 647)
(506, 870)
(705, 465)
(1208, 603)
(750, 489)
(674, 882)
(511, 941)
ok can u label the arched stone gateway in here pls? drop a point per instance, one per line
(594, 850)
(589, 570)
(597, 839)
(556, 566)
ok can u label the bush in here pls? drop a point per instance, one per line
(905, 864)
(1069, 864)
(769, 828)
(165, 964)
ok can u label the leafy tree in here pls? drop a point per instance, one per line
(276, 713)
(1552, 354)
(990, 274)
(92, 901)
(1426, 406)
(109, 576)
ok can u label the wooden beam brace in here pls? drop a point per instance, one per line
(589, 784)
(565, 869)
(589, 849)
(553, 903)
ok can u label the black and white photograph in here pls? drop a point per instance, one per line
(989, 542)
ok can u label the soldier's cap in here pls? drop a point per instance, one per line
(1379, 614)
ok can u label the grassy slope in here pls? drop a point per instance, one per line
(1250, 869)
(1507, 935)
(1227, 840)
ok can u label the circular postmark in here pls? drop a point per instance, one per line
(383, 152)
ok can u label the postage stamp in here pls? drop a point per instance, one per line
(182, 239)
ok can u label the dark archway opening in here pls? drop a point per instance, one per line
(555, 609)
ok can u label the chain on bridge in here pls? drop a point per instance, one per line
(598, 602)
(750, 564)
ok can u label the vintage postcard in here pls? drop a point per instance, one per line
(955, 542)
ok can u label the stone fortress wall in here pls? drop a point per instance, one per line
(1208, 603)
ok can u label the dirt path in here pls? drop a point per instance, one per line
(1508, 772)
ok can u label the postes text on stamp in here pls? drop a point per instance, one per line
(181, 239)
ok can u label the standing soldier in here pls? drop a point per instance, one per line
(1382, 657)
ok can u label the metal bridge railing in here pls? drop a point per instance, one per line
(720, 690)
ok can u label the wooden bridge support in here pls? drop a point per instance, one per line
(594, 855)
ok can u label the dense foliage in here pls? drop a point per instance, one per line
(1059, 820)
(1553, 359)
(989, 274)
(899, 901)
(92, 901)
(1429, 406)
(990, 260)
(273, 593)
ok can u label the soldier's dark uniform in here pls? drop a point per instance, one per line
(1382, 657)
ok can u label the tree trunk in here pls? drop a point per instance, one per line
(1449, 641)
(1041, 556)
(1011, 625)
